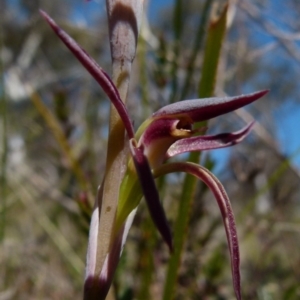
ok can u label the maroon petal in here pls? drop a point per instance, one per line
(96, 71)
(208, 142)
(204, 109)
(150, 193)
(225, 207)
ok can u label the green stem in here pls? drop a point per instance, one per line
(180, 232)
(206, 87)
(115, 163)
(178, 25)
(197, 45)
(123, 41)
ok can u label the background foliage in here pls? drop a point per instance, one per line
(51, 164)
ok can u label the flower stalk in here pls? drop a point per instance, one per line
(124, 19)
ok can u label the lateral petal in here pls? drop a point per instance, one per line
(208, 142)
(224, 205)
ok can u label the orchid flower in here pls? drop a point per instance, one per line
(167, 133)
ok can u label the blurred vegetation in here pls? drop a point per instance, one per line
(48, 167)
